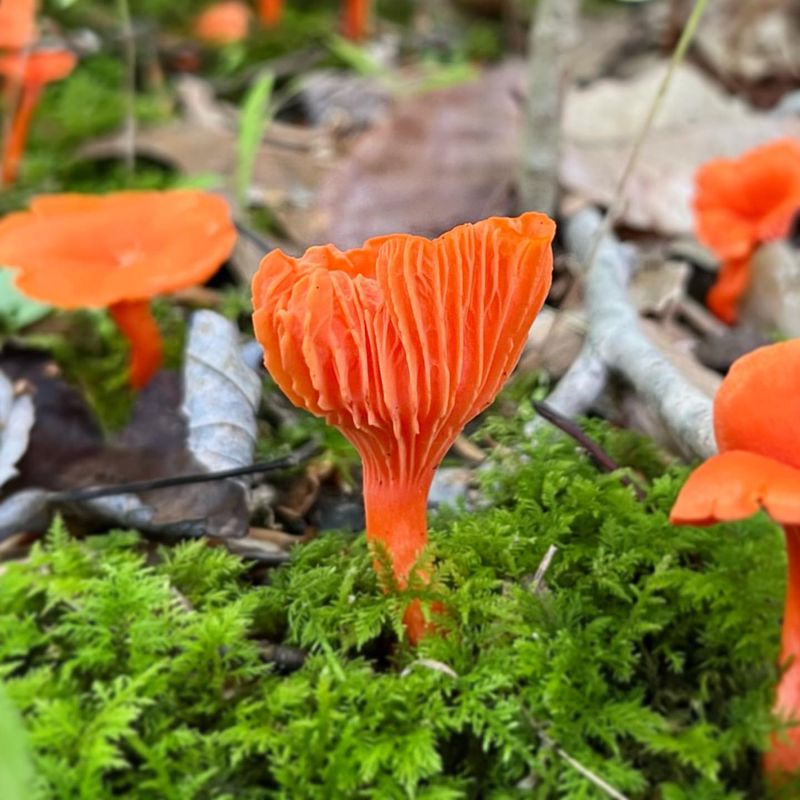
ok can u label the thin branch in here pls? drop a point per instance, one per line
(552, 35)
(253, 237)
(602, 459)
(579, 387)
(537, 585)
(590, 776)
(136, 487)
(616, 338)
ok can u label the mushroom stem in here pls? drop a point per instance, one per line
(355, 18)
(397, 517)
(270, 11)
(18, 135)
(135, 320)
(725, 295)
(783, 757)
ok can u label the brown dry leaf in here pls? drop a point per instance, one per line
(659, 288)
(677, 344)
(438, 159)
(554, 341)
(450, 156)
(772, 301)
(697, 123)
(288, 169)
(752, 40)
(719, 350)
(305, 489)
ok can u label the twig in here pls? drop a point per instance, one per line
(537, 587)
(431, 664)
(615, 337)
(552, 35)
(593, 450)
(136, 487)
(598, 455)
(129, 93)
(590, 776)
(579, 387)
(253, 237)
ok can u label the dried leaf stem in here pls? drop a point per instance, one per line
(137, 487)
(602, 459)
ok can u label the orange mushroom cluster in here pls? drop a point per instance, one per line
(228, 21)
(117, 251)
(399, 344)
(25, 71)
(741, 203)
(757, 427)
(224, 22)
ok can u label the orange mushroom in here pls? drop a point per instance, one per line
(117, 251)
(224, 22)
(270, 12)
(759, 467)
(356, 16)
(740, 203)
(17, 24)
(400, 343)
(31, 72)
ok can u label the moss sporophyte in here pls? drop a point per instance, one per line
(118, 251)
(399, 344)
(759, 467)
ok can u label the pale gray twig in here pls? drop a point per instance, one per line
(552, 35)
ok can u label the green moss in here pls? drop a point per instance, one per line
(649, 658)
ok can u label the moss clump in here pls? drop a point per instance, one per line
(649, 658)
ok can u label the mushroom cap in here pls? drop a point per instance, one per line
(17, 23)
(735, 485)
(77, 251)
(39, 67)
(741, 202)
(757, 407)
(224, 22)
(401, 342)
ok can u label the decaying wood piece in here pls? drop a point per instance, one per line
(552, 35)
(615, 341)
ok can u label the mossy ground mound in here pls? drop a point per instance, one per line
(648, 659)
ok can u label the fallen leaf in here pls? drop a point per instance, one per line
(16, 421)
(221, 395)
(658, 288)
(214, 429)
(772, 300)
(751, 40)
(697, 122)
(450, 156)
(438, 159)
(289, 165)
